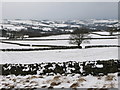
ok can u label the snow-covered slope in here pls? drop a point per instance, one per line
(58, 81)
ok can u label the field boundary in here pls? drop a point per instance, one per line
(50, 47)
(95, 68)
(59, 48)
(52, 39)
(105, 35)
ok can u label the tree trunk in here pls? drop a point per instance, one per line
(78, 44)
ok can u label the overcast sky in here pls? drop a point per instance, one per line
(60, 10)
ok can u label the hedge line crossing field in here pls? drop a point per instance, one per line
(94, 68)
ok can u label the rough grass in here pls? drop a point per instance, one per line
(109, 77)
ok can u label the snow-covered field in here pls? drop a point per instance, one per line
(12, 27)
(101, 42)
(13, 46)
(58, 81)
(66, 36)
(66, 42)
(53, 42)
(98, 36)
(2, 38)
(69, 81)
(60, 55)
(91, 54)
(63, 55)
(106, 33)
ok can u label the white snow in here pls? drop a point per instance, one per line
(46, 29)
(66, 42)
(100, 42)
(98, 36)
(76, 26)
(12, 27)
(53, 42)
(35, 27)
(13, 46)
(91, 54)
(2, 38)
(102, 33)
(64, 36)
(105, 21)
(29, 22)
(60, 25)
(99, 66)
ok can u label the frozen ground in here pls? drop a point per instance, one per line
(106, 33)
(76, 81)
(60, 55)
(13, 46)
(69, 81)
(66, 36)
(2, 38)
(66, 42)
(91, 54)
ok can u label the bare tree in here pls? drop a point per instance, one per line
(78, 36)
(111, 30)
